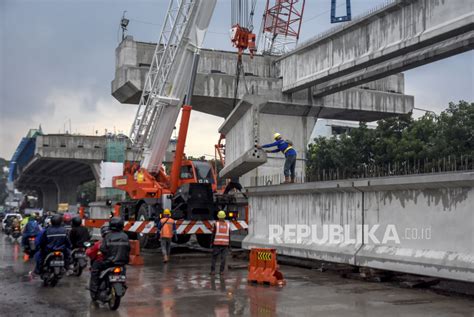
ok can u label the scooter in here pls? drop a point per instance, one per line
(30, 247)
(16, 233)
(53, 268)
(112, 287)
(8, 230)
(79, 259)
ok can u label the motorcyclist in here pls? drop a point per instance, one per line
(12, 222)
(115, 249)
(32, 229)
(94, 252)
(24, 221)
(67, 219)
(78, 234)
(53, 238)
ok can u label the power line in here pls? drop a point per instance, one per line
(322, 13)
(144, 22)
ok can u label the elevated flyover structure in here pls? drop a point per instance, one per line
(54, 165)
(401, 35)
(259, 103)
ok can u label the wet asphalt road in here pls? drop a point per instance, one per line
(184, 288)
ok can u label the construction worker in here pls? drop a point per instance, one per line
(286, 147)
(167, 229)
(220, 241)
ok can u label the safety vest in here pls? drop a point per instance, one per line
(289, 147)
(222, 233)
(167, 227)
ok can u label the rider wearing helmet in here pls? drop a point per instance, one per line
(67, 219)
(53, 238)
(32, 229)
(115, 250)
(93, 252)
(221, 239)
(115, 246)
(78, 234)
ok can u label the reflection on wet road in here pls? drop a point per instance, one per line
(184, 287)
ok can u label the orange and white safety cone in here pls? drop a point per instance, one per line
(135, 257)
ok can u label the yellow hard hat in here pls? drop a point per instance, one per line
(277, 135)
(167, 212)
(221, 214)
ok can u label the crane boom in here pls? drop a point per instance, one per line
(182, 35)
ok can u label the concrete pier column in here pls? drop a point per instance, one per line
(67, 190)
(49, 197)
(101, 194)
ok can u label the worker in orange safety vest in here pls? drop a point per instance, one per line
(167, 228)
(221, 241)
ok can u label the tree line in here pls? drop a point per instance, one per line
(398, 145)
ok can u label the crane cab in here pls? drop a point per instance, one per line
(200, 172)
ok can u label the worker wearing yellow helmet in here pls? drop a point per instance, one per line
(286, 147)
(167, 229)
(221, 241)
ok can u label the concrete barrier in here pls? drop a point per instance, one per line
(427, 222)
(309, 204)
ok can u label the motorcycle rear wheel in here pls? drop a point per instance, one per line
(54, 281)
(77, 271)
(114, 301)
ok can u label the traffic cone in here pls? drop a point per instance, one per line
(135, 257)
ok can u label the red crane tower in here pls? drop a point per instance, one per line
(281, 26)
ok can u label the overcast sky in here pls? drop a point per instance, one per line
(57, 61)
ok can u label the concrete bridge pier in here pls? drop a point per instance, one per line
(49, 196)
(67, 190)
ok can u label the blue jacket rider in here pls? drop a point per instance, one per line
(32, 229)
(53, 238)
(290, 156)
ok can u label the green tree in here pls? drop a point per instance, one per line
(397, 144)
(3, 181)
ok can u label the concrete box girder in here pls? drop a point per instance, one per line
(214, 89)
(399, 36)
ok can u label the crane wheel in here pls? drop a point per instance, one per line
(204, 240)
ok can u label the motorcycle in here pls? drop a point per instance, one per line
(30, 247)
(112, 286)
(53, 268)
(16, 233)
(79, 259)
(8, 230)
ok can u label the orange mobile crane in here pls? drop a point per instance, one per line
(190, 190)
